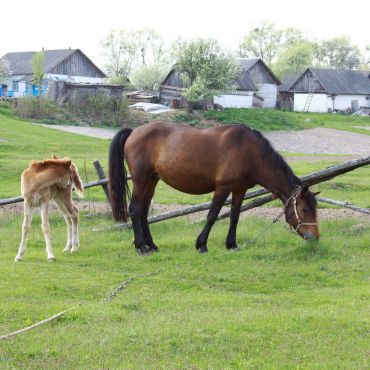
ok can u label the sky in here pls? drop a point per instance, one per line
(30, 25)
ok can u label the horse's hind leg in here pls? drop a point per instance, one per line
(68, 220)
(218, 201)
(236, 203)
(27, 217)
(149, 192)
(45, 227)
(65, 197)
(136, 209)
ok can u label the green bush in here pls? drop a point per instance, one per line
(102, 109)
(35, 108)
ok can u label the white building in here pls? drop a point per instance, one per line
(61, 65)
(326, 90)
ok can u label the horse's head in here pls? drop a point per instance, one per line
(300, 213)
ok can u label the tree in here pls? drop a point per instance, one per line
(38, 60)
(125, 50)
(262, 42)
(294, 58)
(338, 53)
(5, 69)
(149, 76)
(204, 67)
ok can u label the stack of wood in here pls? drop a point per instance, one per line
(140, 97)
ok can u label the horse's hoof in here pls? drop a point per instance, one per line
(74, 250)
(67, 250)
(51, 260)
(143, 250)
(153, 248)
(203, 249)
(232, 247)
(18, 259)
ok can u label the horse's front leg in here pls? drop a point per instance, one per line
(45, 227)
(136, 209)
(27, 217)
(144, 216)
(218, 201)
(236, 203)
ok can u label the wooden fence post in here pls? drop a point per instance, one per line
(101, 175)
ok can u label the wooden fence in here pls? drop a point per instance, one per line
(309, 179)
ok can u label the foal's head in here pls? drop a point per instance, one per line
(300, 213)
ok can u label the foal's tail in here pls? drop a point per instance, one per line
(118, 186)
(77, 181)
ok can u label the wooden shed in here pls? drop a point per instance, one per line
(256, 87)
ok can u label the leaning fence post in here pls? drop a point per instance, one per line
(101, 175)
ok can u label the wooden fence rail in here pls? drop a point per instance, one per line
(310, 179)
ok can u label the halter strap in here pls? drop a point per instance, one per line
(300, 222)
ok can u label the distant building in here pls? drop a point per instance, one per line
(325, 90)
(60, 65)
(256, 87)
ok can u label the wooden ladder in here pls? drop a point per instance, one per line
(311, 93)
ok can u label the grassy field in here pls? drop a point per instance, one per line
(278, 303)
(268, 120)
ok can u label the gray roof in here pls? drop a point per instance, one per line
(288, 81)
(339, 82)
(245, 83)
(21, 62)
(247, 64)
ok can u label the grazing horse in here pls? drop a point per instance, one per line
(41, 182)
(225, 159)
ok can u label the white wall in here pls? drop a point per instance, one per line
(269, 94)
(322, 102)
(319, 103)
(78, 79)
(343, 102)
(234, 101)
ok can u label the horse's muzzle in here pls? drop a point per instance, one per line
(310, 237)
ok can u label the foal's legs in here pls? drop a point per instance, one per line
(136, 209)
(45, 227)
(148, 196)
(236, 203)
(27, 217)
(218, 201)
(68, 220)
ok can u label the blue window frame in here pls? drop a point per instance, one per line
(15, 86)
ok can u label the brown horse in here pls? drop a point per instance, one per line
(226, 159)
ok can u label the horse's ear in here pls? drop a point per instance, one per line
(274, 196)
(317, 193)
(304, 189)
(54, 156)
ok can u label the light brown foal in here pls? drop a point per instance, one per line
(41, 182)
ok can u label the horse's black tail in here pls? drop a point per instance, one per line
(118, 186)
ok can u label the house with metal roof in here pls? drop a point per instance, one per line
(59, 65)
(326, 90)
(257, 86)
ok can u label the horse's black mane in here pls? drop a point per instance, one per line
(279, 162)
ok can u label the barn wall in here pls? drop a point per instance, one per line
(306, 83)
(77, 65)
(318, 104)
(343, 102)
(234, 101)
(269, 94)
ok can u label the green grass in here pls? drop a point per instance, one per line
(280, 303)
(269, 120)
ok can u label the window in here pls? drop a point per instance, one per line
(15, 86)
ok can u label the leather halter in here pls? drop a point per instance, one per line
(299, 221)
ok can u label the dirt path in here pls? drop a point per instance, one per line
(323, 141)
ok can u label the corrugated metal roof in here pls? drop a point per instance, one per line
(288, 81)
(245, 83)
(335, 81)
(21, 62)
(343, 81)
